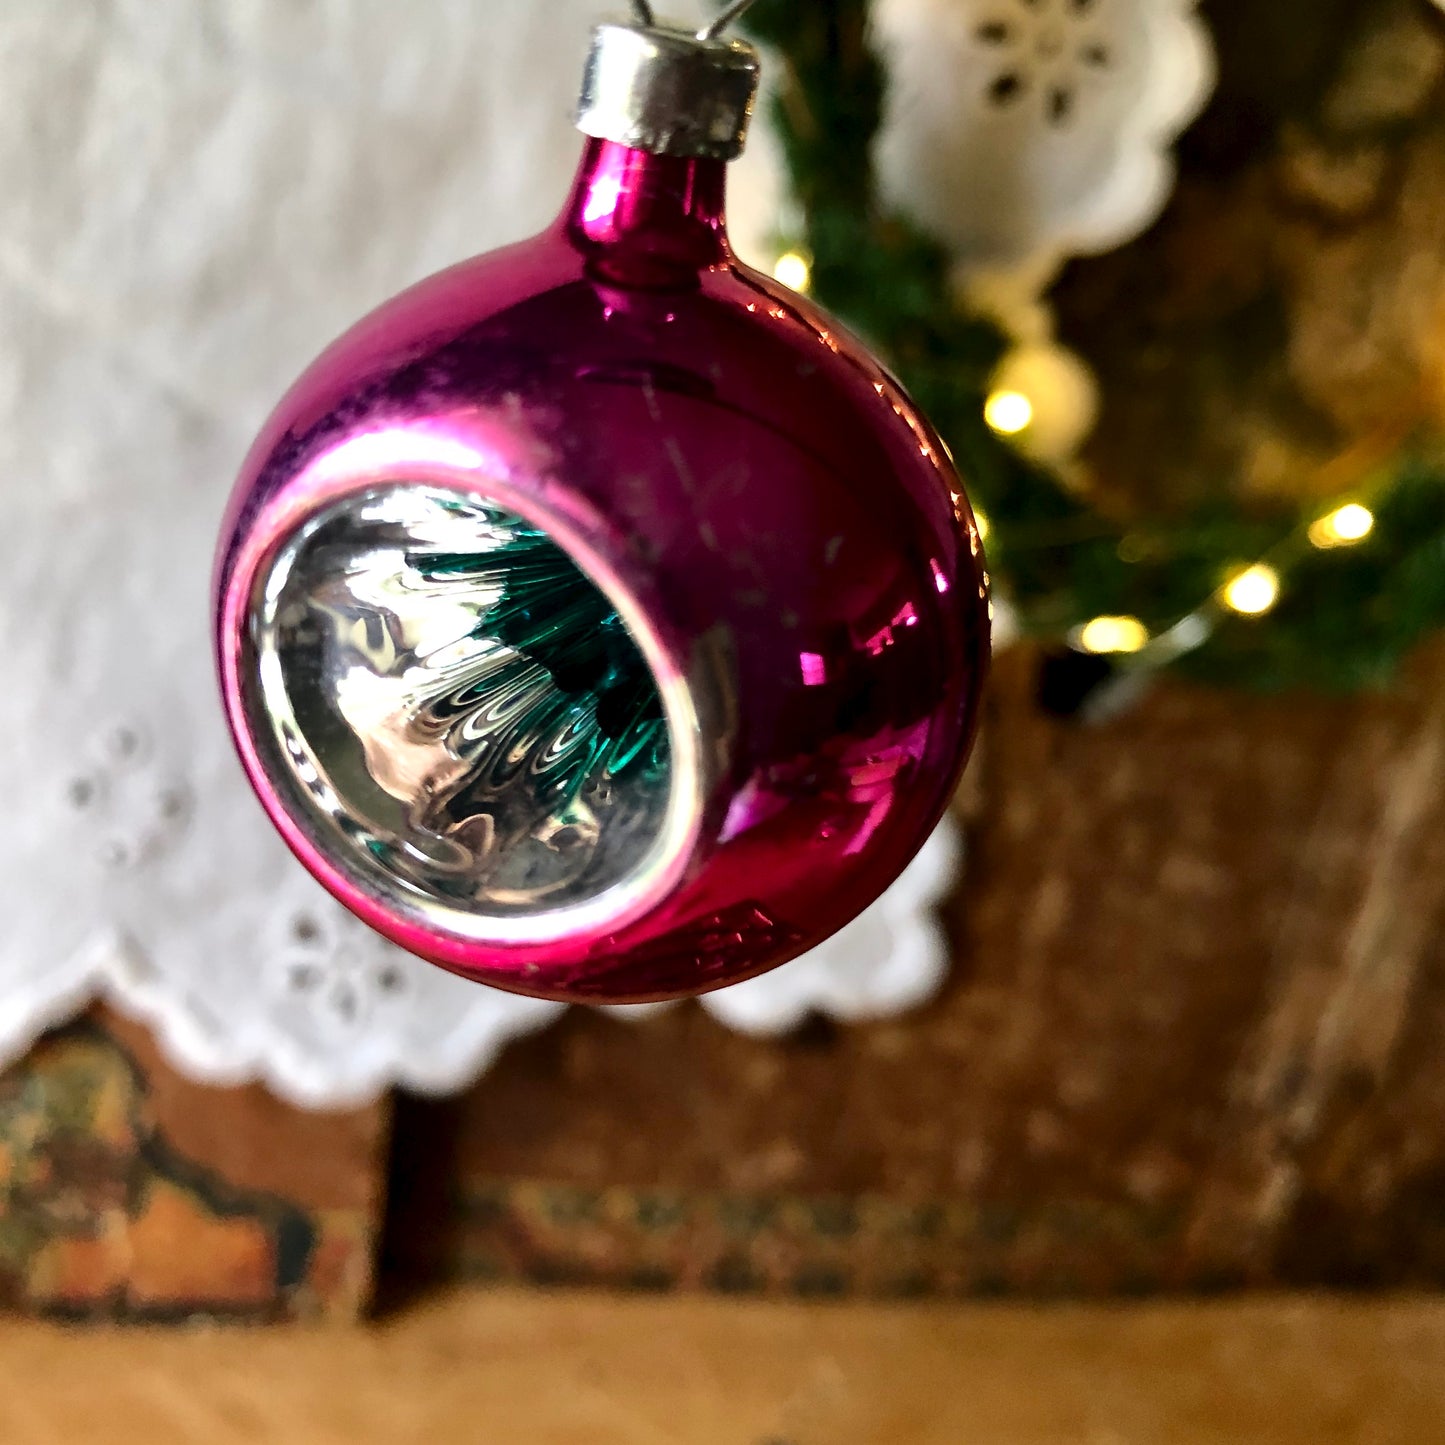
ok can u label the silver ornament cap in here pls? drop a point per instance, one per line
(668, 91)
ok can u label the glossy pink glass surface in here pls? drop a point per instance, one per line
(713, 448)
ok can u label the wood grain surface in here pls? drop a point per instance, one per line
(1278, 331)
(541, 1369)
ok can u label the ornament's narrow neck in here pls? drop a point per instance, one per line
(648, 220)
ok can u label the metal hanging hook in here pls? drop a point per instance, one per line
(644, 15)
(734, 12)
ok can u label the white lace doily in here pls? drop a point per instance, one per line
(199, 196)
(1024, 131)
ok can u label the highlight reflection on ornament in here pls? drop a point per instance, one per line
(597, 619)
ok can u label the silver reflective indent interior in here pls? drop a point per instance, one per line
(460, 706)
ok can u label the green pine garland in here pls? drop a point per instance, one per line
(1346, 616)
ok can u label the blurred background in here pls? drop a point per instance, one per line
(1122, 1119)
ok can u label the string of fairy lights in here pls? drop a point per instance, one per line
(1249, 590)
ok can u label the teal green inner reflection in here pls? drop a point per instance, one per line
(603, 698)
(463, 704)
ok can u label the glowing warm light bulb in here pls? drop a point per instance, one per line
(1253, 591)
(982, 525)
(794, 270)
(1112, 634)
(1343, 527)
(1008, 412)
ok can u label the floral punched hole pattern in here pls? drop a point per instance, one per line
(337, 971)
(128, 809)
(1043, 54)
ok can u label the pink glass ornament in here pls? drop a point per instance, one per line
(598, 619)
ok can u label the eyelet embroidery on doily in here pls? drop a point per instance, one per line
(1022, 132)
(1045, 52)
(337, 973)
(129, 809)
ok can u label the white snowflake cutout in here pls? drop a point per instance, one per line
(1024, 131)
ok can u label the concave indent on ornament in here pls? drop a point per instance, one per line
(468, 713)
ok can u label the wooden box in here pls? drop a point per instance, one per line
(127, 1192)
